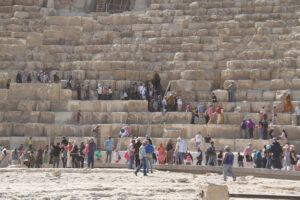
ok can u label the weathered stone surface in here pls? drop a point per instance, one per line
(21, 15)
(214, 192)
(281, 94)
(222, 95)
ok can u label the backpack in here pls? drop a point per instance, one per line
(209, 151)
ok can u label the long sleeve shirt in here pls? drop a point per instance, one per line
(142, 152)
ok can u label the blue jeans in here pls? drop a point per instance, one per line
(64, 161)
(181, 157)
(212, 159)
(227, 168)
(231, 95)
(130, 162)
(143, 164)
(108, 156)
(268, 165)
(91, 159)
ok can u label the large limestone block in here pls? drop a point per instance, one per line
(47, 117)
(118, 117)
(101, 117)
(28, 129)
(193, 74)
(296, 84)
(21, 15)
(6, 130)
(59, 106)
(43, 106)
(255, 74)
(137, 106)
(227, 83)
(284, 118)
(90, 106)
(200, 96)
(172, 132)
(19, 94)
(64, 117)
(254, 95)
(30, 117)
(244, 84)
(281, 94)
(222, 95)
(78, 74)
(268, 95)
(214, 192)
(277, 84)
(227, 74)
(26, 105)
(53, 130)
(233, 117)
(12, 116)
(34, 40)
(223, 131)
(256, 106)
(3, 94)
(63, 20)
(15, 142)
(5, 141)
(73, 105)
(86, 118)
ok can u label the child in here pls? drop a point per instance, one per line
(240, 160)
(199, 156)
(189, 158)
(220, 158)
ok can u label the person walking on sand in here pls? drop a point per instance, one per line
(142, 157)
(227, 163)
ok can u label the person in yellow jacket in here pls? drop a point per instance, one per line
(30, 143)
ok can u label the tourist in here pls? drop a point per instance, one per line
(189, 158)
(176, 151)
(56, 77)
(209, 112)
(156, 81)
(297, 112)
(56, 154)
(46, 78)
(170, 152)
(212, 155)
(274, 114)
(78, 89)
(220, 116)
(195, 116)
(64, 155)
(231, 91)
(161, 154)
(182, 150)
(137, 146)
(149, 139)
(78, 115)
(271, 127)
(268, 156)
(288, 103)
(170, 101)
(110, 93)
(69, 83)
(243, 128)
(86, 88)
(257, 159)
(220, 158)
(15, 157)
(64, 141)
(188, 108)
(198, 139)
(4, 157)
(125, 131)
(19, 78)
(277, 151)
(240, 160)
(99, 91)
(265, 128)
(46, 156)
(104, 93)
(8, 83)
(287, 157)
(30, 143)
(108, 145)
(142, 157)
(29, 79)
(83, 151)
(213, 98)
(31, 160)
(263, 113)
(293, 157)
(248, 154)
(227, 163)
(75, 156)
(199, 156)
(260, 130)
(179, 104)
(250, 127)
(207, 140)
(149, 154)
(39, 157)
(283, 135)
(91, 151)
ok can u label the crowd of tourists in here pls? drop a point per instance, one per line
(63, 154)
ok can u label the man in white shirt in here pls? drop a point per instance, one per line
(198, 139)
(179, 104)
(297, 112)
(182, 150)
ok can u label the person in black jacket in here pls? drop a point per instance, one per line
(277, 151)
(19, 78)
(56, 153)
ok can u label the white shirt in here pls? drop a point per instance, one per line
(179, 101)
(183, 146)
(297, 110)
(272, 126)
(198, 138)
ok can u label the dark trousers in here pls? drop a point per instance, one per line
(64, 161)
(91, 159)
(276, 162)
(99, 96)
(68, 86)
(250, 132)
(78, 94)
(137, 161)
(55, 161)
(270, 133)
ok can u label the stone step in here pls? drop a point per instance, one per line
(6, 2)
(94, 117)
(186, 131)
(15, 41)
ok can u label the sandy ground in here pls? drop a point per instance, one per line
(123, 184)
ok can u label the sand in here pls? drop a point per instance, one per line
(123, 184)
